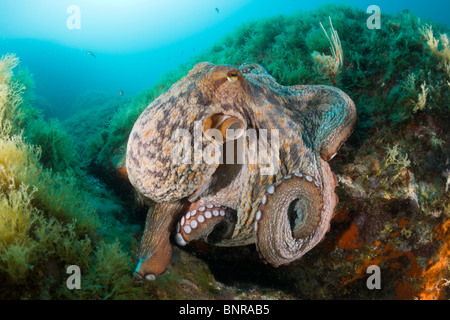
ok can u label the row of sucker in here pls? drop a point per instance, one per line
(198, 223)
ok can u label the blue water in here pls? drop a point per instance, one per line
(136, 41)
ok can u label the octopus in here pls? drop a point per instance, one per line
(270, 183)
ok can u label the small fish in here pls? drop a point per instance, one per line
(91, 54)
(217, 10)
(121, 92)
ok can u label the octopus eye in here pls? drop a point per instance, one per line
(232, 76)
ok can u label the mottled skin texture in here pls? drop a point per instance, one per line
(285, 213)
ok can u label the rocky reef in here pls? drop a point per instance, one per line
(393, 175)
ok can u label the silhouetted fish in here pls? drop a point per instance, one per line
(217, 10)
(91, 54)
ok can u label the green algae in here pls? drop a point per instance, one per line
(46, 221)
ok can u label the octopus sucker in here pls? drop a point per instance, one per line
(211, 222)
(237, 203)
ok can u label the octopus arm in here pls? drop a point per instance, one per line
(332, 116)
(294, 216)
(155, 249)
